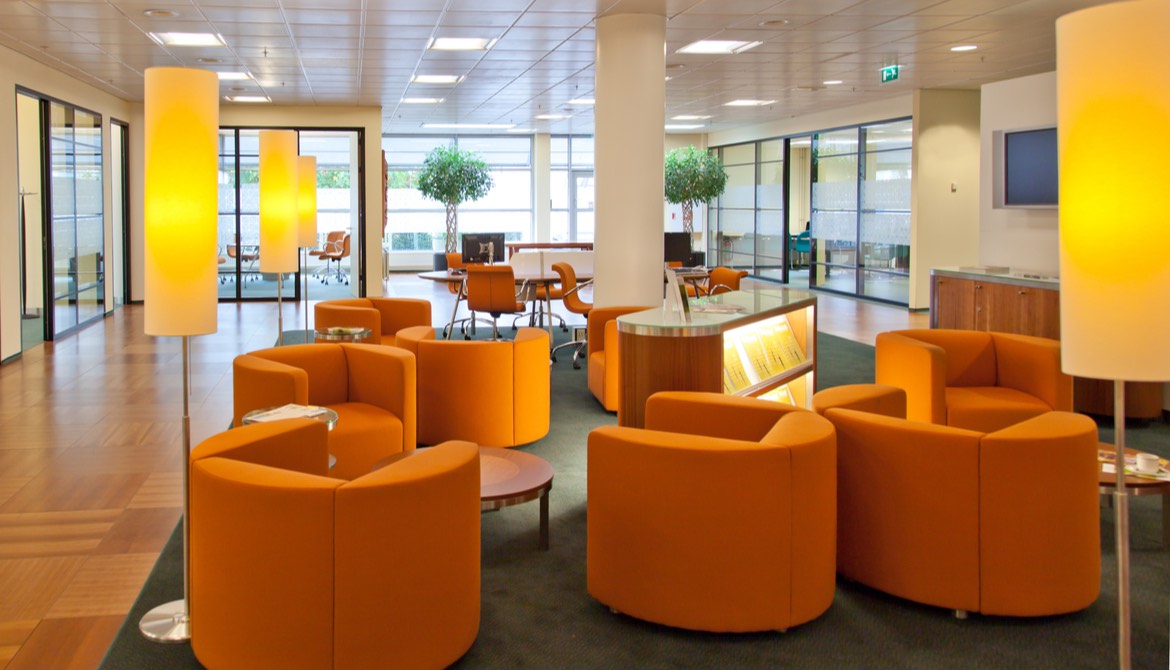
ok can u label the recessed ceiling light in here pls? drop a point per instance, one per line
(964, 47)
(552, 117)
(690, 117)
(422, 101)
(160, 13)
(774, 23)
(248, 98)
(832, 82)
(436, 79)
(233, 76)
(461, 44)
(581, 101)
(718, 47)
(470, 126)
(748, 103)
(187, 39)
(683, 126)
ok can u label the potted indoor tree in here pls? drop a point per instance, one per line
(453, 176)
(693, 176)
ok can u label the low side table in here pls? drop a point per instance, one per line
(293, 411)
(510, 477)
(1135, 486)
(341, 334)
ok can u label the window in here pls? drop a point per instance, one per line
(572, 189)
(416, 223)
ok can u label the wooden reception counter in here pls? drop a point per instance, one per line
(757, 343)
(1013, 301)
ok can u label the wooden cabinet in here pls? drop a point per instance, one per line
(979, 300)
(765, 348)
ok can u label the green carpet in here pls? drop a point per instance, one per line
(536, 612)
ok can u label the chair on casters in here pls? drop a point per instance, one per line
(800, 244)
(336, 252)
(723, 280)
(492, 289)
(332, 241)
(573, 302)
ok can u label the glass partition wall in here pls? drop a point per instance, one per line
(339, 200)
(62, 220)
(829, 210)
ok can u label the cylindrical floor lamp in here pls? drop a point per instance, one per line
(278, 211)
(307, 219)
(180, 253)
(1113, 108)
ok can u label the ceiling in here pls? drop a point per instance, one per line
(365, 52)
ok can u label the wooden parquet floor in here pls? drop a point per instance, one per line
(90, 479)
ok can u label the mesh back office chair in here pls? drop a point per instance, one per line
(572, 300)
(492, 289)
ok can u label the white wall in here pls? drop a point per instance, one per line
(19, 70)
(944, 186)
(1018, 238)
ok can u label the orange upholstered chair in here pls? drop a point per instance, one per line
(492, 289)
(296, 570)
(1002, 523)
(720, 515)
(602, 345)
(571, 298)
(372, 388)
(973, 379)
(495, 394)
(383, 316)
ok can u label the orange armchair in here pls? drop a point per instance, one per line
(372, 388)
(601, 337)
(718, 516)
(293, 569)
(383, 316)
(1003, 523)
(972, 379)
(493, 393)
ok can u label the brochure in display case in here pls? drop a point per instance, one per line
(755, 353)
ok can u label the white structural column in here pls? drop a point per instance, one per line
(628, 159)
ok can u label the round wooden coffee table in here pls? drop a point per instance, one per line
(506, 477)
(510, 477)
(1135, 485)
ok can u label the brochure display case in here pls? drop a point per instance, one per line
(758, 343)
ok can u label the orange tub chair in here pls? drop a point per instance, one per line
(601, 337)
(720, 515)
(973, 379)
(372, 388)
(1002, 523)
(383, 316)
(493, 393)
(293, 569)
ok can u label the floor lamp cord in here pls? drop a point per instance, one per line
(171, 622)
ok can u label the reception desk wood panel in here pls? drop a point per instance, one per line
(767, 348)
(978, 299)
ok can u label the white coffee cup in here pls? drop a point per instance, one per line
(1146, 464)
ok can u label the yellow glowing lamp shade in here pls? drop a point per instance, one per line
(307, 201)
(1113, 112)
(181, 201)
(278, 201)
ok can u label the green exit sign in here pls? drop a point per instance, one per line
(889, 73)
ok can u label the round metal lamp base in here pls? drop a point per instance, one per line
(167, 623)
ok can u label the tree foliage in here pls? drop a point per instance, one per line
(453, 176)
(693, 176)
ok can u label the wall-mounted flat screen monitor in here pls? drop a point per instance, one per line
(677, 248)
(1026, 168)
(483, 247)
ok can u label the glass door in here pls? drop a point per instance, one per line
(31, 227)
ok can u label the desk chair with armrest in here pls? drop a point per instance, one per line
(492, 289)
(246, 258)
(334, 253)
(571, 298)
